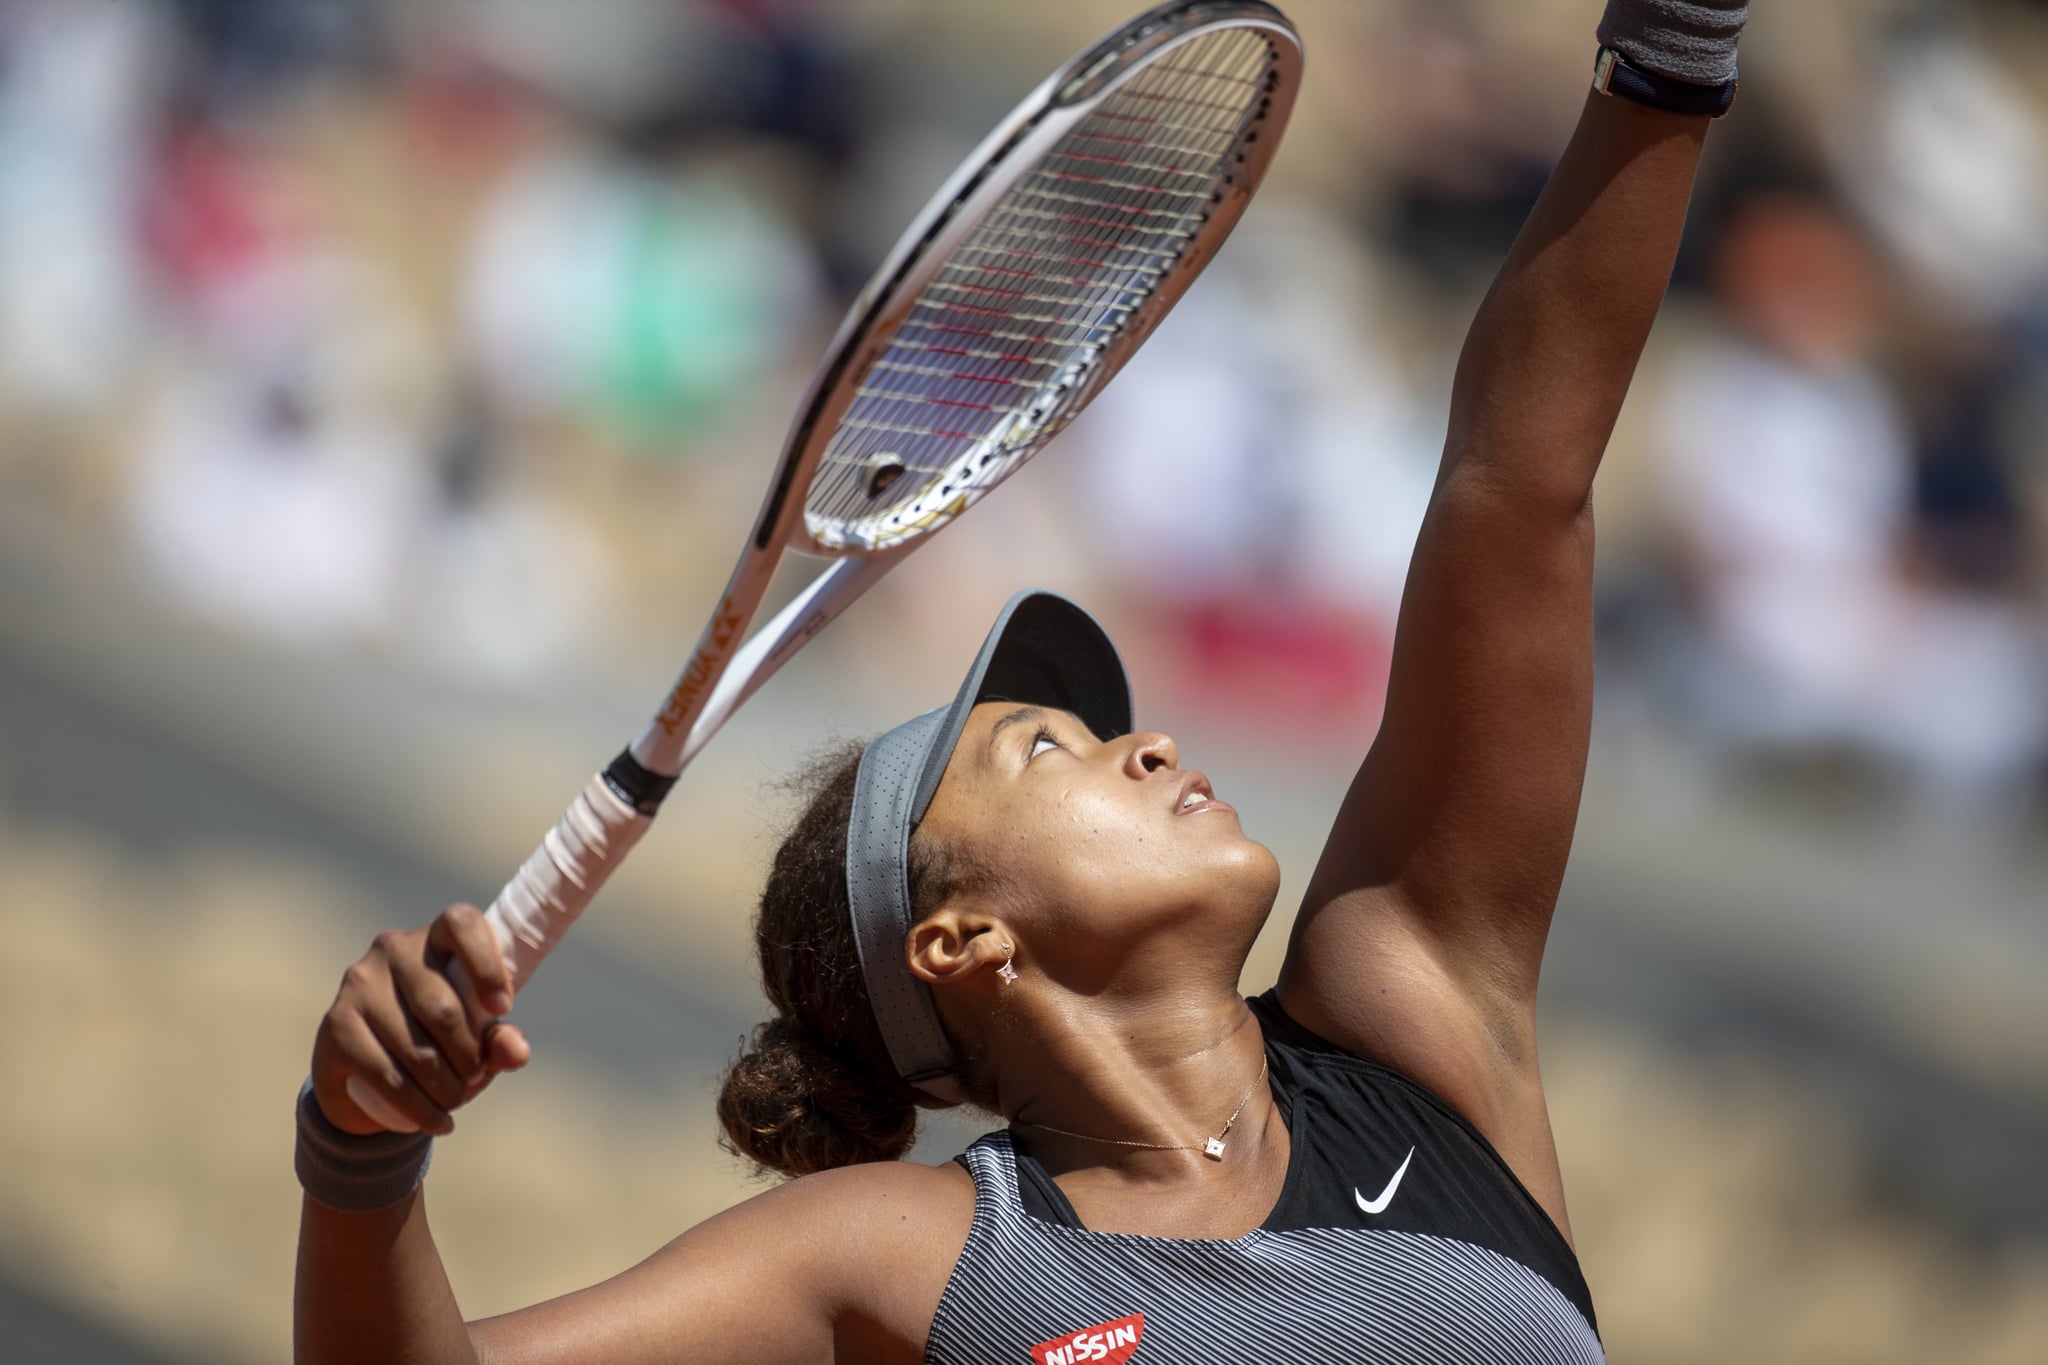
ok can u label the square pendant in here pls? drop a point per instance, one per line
(1213, 1149)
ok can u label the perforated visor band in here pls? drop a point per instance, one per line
(1043, 651)
(878, 888)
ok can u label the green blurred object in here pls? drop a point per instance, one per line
(707, 284)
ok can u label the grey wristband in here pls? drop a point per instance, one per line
(351, 1173)
(1686, 40)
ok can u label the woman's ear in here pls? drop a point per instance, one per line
(950, 946)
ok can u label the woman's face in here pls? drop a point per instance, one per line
(1096, 847)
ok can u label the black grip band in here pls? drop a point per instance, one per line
(635, 785)
(1614, 74)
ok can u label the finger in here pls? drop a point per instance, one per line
(505, 1047)
(413, 1048)
(433, 1005)
(365, 1057)
(466, 936)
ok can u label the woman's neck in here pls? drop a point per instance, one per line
(1094, 1081)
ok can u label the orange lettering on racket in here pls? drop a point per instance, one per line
(725, 629)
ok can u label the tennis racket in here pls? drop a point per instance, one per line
(1023, 286)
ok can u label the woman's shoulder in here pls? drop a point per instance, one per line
(872, 1192)
(845, 1255)
(882, 1214)
(877, 1240)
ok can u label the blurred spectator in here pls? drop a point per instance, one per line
(239, 55)
(1949, 164)
(652, 276)
(1471, 143)
(1972, 529)
(1259, 476)
(278, 485)
(1786, 479)
(263, 503)
(658, 300)
(629, 229)
(508, 585)
(77, 82)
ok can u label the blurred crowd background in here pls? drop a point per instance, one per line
(384, 387)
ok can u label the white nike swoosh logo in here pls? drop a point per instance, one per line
(1386, 1195)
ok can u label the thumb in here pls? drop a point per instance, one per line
(505, 1046)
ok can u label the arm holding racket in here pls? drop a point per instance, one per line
(559, 879)
(552, 888)
(370, 1281)
(1421, 935)
(371, 1284)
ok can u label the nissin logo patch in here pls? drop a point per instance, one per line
(1106, 1343)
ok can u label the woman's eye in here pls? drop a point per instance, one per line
(1041, 742)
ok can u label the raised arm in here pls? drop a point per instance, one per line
(1423, 927)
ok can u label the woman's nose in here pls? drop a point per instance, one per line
(1149, 751)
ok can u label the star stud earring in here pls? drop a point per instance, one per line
(1007, 972)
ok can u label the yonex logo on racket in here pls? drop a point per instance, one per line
(1106, 1343)
(702, 669)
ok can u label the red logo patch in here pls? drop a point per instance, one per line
(1106, 1343)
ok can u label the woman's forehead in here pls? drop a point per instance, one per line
(990, 721)
(989, 725)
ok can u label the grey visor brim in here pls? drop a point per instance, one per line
(1043, 650)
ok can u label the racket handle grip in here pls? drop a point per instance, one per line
(536, 908)
(562, 875)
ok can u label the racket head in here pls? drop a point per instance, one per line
(1034, 274)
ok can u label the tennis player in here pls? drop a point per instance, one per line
(1021, 902)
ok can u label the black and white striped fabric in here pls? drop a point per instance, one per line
(1400, 1236)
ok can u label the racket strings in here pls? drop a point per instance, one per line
(1007, 332)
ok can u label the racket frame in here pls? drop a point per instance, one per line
(557, 881)
(1019, 143)
(722, 671)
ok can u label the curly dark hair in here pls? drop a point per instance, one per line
(813, 1088)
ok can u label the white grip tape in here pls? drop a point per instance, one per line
(542, 900)
(547, 894)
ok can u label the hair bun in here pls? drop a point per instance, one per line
(791, 1106)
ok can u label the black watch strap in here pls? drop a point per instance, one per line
(1614, 74)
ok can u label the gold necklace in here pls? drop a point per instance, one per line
(1211, 1148)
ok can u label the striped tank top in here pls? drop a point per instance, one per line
(1399, 1236)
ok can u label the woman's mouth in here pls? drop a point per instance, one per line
(1195, 796)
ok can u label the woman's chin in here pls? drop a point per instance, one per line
(1240, 889)
(1258, 868)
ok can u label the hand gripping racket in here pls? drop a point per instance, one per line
(1033, 274)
